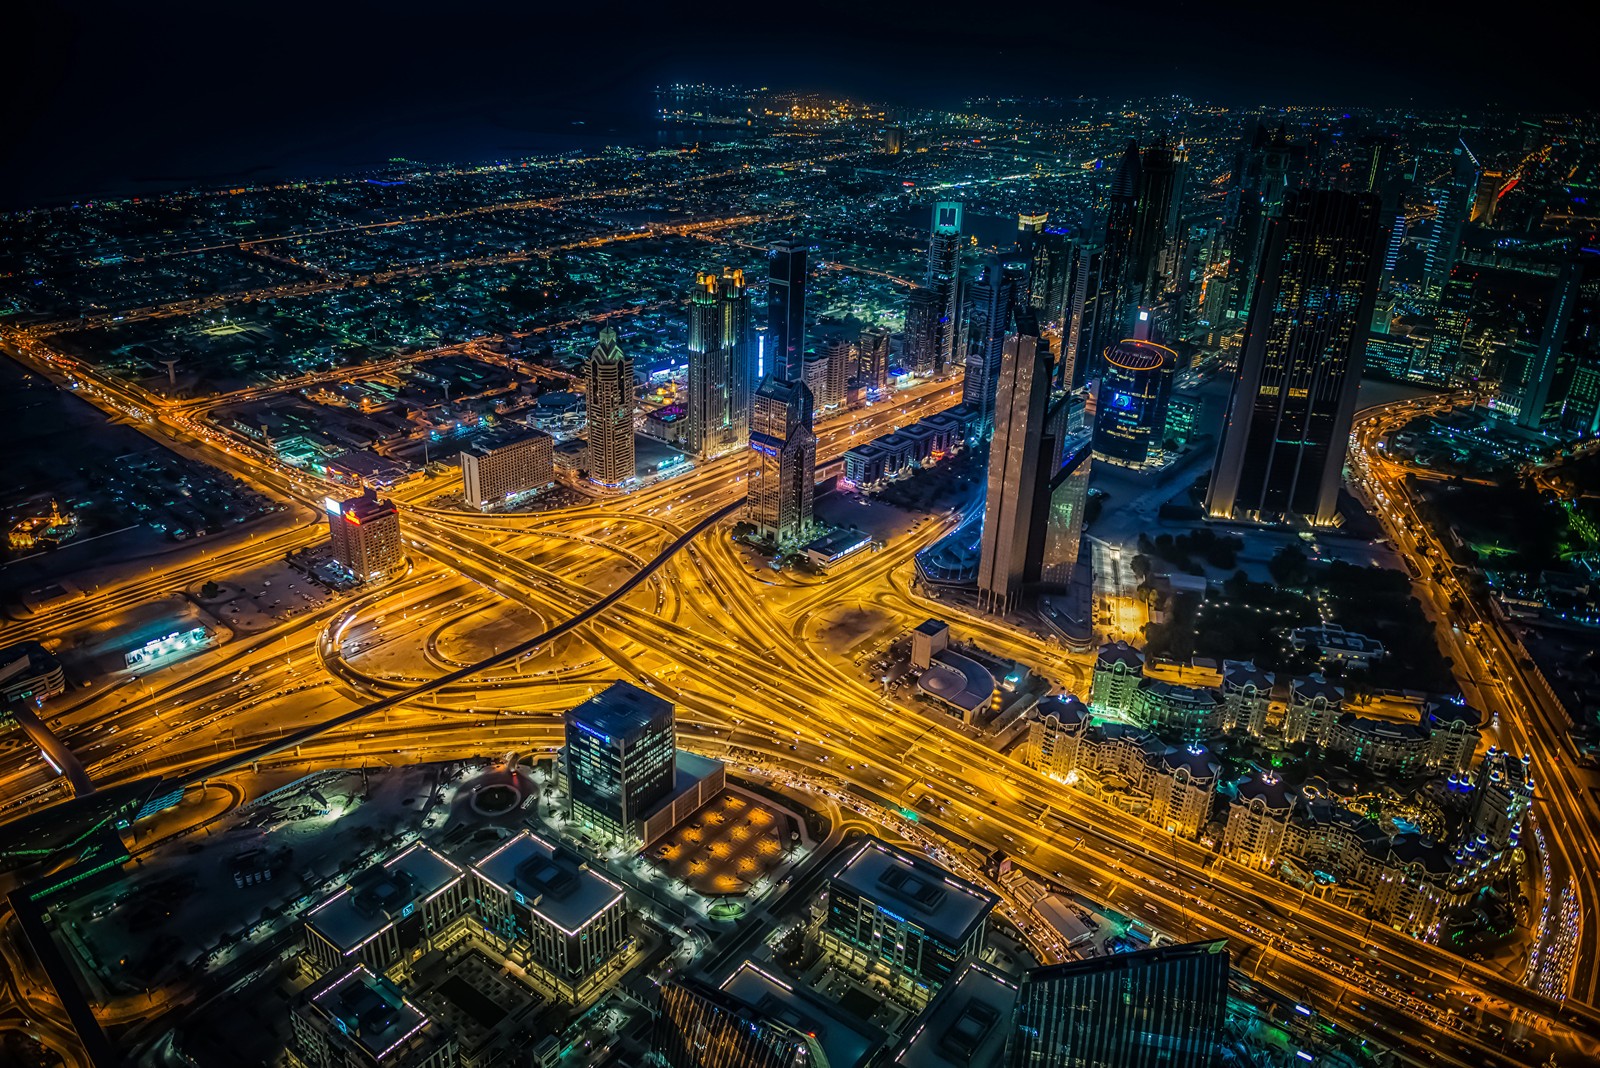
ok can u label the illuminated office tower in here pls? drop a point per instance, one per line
(1157, 1008)
(1156, 221)
(1283, 445)
(921, 338)
(1067, 500)
(786, 311)
(1050, 260)
(944, 280)
(1264, 170)
(1082, 308)
(619, 758)
(1537, 383)
(991, 312)
(815, 376)
(609, 385)
(839, 361)
(1131, 411)
(364, 536)
(1117, 259)
(702, 1026)
(719, 363)
(872, 358)
(1030, 230)
(1451, 206)
(782, 482)
(355, 1019)
(1015, 459)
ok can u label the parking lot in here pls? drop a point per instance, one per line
(726, 846)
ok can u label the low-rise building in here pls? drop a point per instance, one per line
(1246, 697)
(388, 915)
(354, 1019)
(1118, 670)
(1191, 713)
(899, 915)
(1258, 817)
(1337, 645)
(547, 909)
(1389, 749)
(29, 673)
(1314, 705)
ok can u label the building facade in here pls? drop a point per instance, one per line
(505, 465)
(619, 758)
(786, 311)
(1011, 506)
(610, 401)
(782, 482)
(719, 363)
(364, 537)
(1281, 456)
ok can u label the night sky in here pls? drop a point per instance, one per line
(105, 99)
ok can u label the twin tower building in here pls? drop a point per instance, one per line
(746, 389)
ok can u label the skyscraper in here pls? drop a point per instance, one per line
(1131, 412)
(1009, 515)
(1537, 384)
(1082, 309)
(1158, 1008)
(702, 1026)
(1283, 446)
(991, 312)
(944, 280)
(1452, 204)
(1067, 501)
(872, 358)
(783, 481)
(1118, 255)
(920, 342)
(786, 311)
(619, 757)
(1265, 169)
(719, 363)
(1156, 221)
(364, 536)
(609, 385)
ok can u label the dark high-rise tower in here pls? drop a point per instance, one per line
(1085, 301)
(924, 310)
(1016, 456)
(1159, 1008)
(944, 279)
(1283, 447)
(1155, 221)
(1451, 206)
(1117, 256)
(701, 1026)
(719, 363)
(1264, 170)
(786, 311)
(991, 311)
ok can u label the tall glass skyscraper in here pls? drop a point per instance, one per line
(1159, 1008)
(1012, 506)
(1282, 451)
(610, 398)
(786, 311)
(620, 757)
(702, 1026)
(782, 483)
(944, 279)
(719, 363)
(991, 313)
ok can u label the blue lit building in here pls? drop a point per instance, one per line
(619, 757)
(1131, 411)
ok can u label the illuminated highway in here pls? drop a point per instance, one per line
(746, 657)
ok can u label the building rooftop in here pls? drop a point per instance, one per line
(502, 438)
(1237, 674)
(619, 710)
(960, 680)
(1119, 653)
(552, 881)
(688, 771)
(377, 898)
(1444, 710)
(1065, 707)
(966, 1024)
(932, 627)
(836, 541)
(1271, 789)
(1311, 687)
(916, 889)
(845, 1042)
(369, 1011)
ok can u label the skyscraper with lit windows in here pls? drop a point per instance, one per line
(786, 311)
(1013, 512)
(608, 378)
(719, 363)
(991, 313)
(944, 280)
(782, 482)
(619, 757)
(1282, 451)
